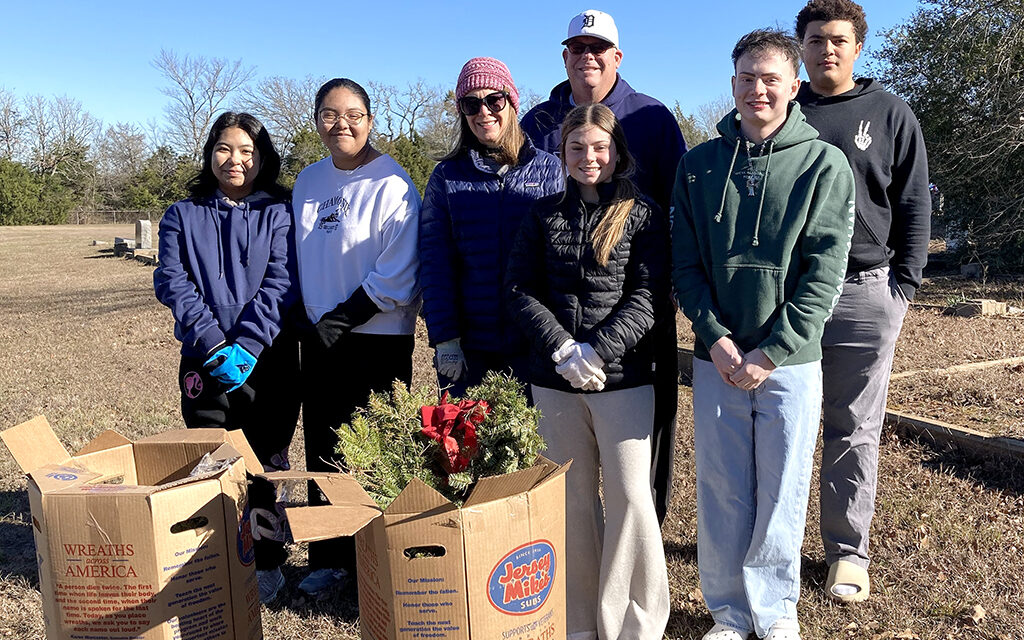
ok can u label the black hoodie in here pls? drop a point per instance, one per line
(883, 142)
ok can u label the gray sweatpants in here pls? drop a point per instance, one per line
(616, 578)
(857, 351)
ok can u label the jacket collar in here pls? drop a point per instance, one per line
(526, 153)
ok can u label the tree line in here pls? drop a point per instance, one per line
(57, 160)
(958, 63)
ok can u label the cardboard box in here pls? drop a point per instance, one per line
(428, 569)
(129, 546)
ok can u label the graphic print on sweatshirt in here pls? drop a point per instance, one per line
(863, 138)
(330, 222)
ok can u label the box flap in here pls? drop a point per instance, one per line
(33, 444)
(170, 455)
(309, 524)
(50, 478)
(553, 469)
(106, 440)
(238, 441)
(417, 497)
(284, 476)
(343, 490)
(510, 484)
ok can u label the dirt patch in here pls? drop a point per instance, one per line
(933, 340)
(989, 400)
(83, 340)
(950, 289)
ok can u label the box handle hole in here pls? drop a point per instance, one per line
(426, 551)
(197, 522)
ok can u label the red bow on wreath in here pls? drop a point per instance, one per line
(454, 426)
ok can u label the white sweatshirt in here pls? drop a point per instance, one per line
(355, 228)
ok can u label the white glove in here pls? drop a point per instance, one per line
(565, 351)
(449, 359)
(579, 364)
(595, 384)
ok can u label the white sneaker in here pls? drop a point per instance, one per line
(784, 629)
(269, 582)
(723, 632)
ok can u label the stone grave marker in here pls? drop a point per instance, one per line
(143, 234)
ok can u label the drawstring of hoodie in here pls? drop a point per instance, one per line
(248, 235)
(764, 189)
(728, 178)
(246, 209)
(220, 243)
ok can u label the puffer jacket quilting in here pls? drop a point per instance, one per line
(468, 222)
(557, 290)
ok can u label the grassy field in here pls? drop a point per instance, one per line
(83, 341)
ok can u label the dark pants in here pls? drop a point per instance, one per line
(266, 409)
(478, 363)
(335, 382)
(666, 397)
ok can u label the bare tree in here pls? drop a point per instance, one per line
(528, 99)
(122, 150)
(284, 105)
(400, 112)
(709, 113)
(61, 133)
(440, 126)
(13, 126)
(198, 88)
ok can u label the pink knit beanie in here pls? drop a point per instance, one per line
(487, 73)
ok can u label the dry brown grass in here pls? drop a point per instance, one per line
(83, 341)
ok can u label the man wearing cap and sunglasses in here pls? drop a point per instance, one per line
(592, 57)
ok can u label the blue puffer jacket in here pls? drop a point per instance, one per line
(227, 272)
(468, 223)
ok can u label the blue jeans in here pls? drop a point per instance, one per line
(754, 453)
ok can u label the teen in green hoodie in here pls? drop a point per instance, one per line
(762, 220)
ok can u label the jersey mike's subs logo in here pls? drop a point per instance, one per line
(521, 581)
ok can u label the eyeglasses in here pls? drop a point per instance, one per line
(596, 48)
(330, 116)
(470, 105)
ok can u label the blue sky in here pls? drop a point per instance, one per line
(100, 53)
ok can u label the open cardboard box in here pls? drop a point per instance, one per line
(130, 546)
(493, 568)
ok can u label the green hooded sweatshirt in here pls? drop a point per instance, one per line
(759, 246)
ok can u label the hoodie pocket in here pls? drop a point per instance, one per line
(868, 231)
(748, 298)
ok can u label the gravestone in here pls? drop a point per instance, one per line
(123, 246)
(143, 234)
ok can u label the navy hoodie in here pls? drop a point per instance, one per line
(653, 134)
(883, 142)
(227, 271)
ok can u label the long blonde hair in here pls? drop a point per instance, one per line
(609, 230)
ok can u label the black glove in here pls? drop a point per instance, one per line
(348, 315)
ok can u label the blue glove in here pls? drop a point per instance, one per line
(231, 366)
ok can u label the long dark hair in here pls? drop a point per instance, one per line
(205, 184)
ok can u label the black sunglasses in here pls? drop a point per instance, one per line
(596, 48)
(470, 105)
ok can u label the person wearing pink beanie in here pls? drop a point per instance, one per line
(474, 202)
